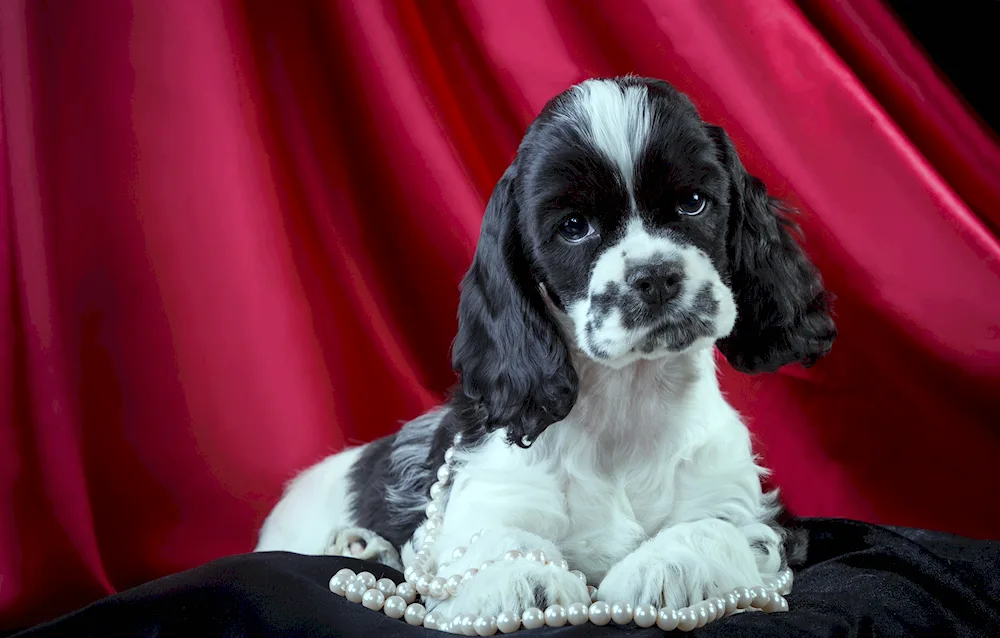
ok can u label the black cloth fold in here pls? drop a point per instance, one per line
(860, 580)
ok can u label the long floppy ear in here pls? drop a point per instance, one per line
(783, 309)
(513, 363)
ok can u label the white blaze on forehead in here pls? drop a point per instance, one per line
(616, 120)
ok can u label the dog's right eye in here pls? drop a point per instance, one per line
(575, 228)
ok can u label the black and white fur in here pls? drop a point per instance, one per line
(592, 420)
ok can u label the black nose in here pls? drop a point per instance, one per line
(656, 284)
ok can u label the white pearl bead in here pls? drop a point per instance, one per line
(555, 616)
(367, 579)
(429, 539)
(394, 607)
(468, 625)
(443, 474)
(686, 619)
(436, 589)
(600, 613)
(536, 555)
(423, 583)
(786, 585)
(732, 600)
(701, 615)
(407, 592)
(508, 623)
(469, 574)
(410, 573)
(373, 599)
(437, 491)
(446, 625)
(720, 607)
(386, 586)
(485, 565)
(451, 585)
(593, 593)
(433, 620)
(580, 575)
(773, 602)
(453, 627)
(457, 439)
(512, 555)
(449, 455)
(475, 537)
(666, 619)
(458, 553)
(485, 626)
(432, 525)
(354, 591)
(784, 605)
(745, 598)
(533, 618)
(621, 613)
(644, 615)
(710, 610)
(760, 597)
(414, 613)
(432, 509)
(526, 441)
(339, 582)
(577, 614)
(561, 563)
(345, 573)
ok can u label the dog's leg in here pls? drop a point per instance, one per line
(503, 511)
(690, 562)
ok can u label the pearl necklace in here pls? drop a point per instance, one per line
(400, 601)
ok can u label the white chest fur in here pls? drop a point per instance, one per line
(645, 447)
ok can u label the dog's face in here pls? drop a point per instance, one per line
(625, 205)
(627, 228)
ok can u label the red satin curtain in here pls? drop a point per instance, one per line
(232, 234)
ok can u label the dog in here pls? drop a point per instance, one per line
(623, 244)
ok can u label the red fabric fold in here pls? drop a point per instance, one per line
(232, 235)
(920, 101)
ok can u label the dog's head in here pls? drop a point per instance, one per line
(626, 228)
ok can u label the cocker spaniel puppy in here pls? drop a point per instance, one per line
(623, 243)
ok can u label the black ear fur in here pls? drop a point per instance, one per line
(514, 366)
(783, 311)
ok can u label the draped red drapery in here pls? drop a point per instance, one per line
(231, 235)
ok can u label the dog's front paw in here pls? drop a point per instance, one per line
(358, 542)
(514, 586)
(671, 579)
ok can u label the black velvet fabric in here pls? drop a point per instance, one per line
(860, 580)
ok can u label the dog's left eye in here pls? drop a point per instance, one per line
(691, 204)
(575, 228)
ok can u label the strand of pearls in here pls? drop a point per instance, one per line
(400, 601)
